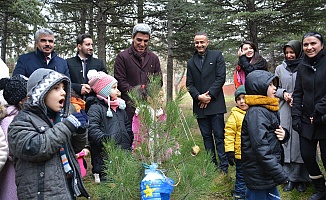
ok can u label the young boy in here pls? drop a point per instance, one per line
(108, 119)
(261, 137)
(44, 138)
(232, 140)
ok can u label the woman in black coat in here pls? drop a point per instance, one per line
(309, 108)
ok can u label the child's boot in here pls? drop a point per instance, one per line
(319, 183)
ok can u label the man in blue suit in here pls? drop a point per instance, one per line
(43, 57)
(206, 73)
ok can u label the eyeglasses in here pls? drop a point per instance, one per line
(45, 40)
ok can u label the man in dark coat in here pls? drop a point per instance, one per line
(82, 63)
(206, 74)
(133, 66)
(43, 57)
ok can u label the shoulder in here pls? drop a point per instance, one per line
(27, 55)
(72, 59)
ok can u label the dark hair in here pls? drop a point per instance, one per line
(256, 58)
(81, 37)
(314, 34)
(142, 91)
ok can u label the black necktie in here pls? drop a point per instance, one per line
(84, 63)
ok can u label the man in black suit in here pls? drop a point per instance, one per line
(82, 63)
(206, 73)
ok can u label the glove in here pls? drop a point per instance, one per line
(231, 158)
(86, 118)
(296, 124)
(318, 117)
(78, 120)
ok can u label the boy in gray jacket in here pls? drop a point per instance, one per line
(44, 139)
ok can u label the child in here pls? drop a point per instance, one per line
(232, 140)
(261, 137)
(79, 105)
(14, 92)
(43, 138)
(108, 119)
(136, 122)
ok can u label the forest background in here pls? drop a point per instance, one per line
(268, 23)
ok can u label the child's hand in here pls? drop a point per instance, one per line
(280, 133)
(86, 151)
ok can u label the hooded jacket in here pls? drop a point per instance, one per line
(261, 151)
(35, 143)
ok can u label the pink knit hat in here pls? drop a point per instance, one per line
(101, 83)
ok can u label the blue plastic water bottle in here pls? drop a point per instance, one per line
(155, 186)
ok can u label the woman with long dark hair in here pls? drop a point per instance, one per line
(249, 60)
(309, 108)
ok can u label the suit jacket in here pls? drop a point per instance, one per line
(210, 77)
(29, 62)
(76, 70)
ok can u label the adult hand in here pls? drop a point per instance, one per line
(204, 98)
(240, 52)
(296, 124)
(202, 105)
(231, 157)
(280, 133)
(287, 97)
(86, 89)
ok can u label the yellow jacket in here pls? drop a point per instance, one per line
(232, 140)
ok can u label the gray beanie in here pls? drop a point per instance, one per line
(143, 28)
(41, 82)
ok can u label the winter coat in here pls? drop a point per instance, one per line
(35, 143)
(102, 127)
(129, 73)
(249, 67)
(232, 139)
(28, 63)
(310, 95)
(286, 84)
(261, 151)
(3, 149)
(8, 189)
(211, 77)
(76, 70)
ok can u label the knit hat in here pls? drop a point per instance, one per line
(143, 28)
(101, 83)
(241, 90)
(41, 82)
(14, 89)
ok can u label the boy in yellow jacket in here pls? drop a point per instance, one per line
(232, 140)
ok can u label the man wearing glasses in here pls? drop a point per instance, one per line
(43, 57)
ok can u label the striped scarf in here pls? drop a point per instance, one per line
(55, 118)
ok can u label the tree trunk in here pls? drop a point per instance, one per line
(4, 37)
(101, 30)
(169, 69)
(252, 24)
(140, 11)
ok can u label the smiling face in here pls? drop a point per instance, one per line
(248, 50)
(201, 43)
(289, 53)
(86, 48)
(271, 90)
(140, 41)
(311, 46)
(56, 97)
(45, 43)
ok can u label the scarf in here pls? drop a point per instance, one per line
(139, 55)
(113, 104)
(55, 118)
(261, 100)
(293, 64)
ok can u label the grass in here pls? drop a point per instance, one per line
(223, 184)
